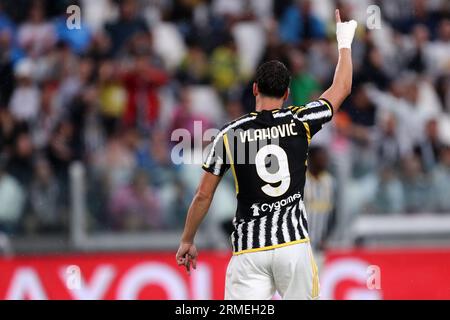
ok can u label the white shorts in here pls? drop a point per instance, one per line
(290, 270)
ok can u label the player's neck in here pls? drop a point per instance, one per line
(267, 103)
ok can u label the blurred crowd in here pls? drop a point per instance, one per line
(110, 94)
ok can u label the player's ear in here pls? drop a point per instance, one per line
(255, 89)
(286, 94)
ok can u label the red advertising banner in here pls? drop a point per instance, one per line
(112, 276)
(347, 274)
(386, 274)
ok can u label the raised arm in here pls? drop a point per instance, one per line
(342, 81)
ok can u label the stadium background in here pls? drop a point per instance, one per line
(88, 189)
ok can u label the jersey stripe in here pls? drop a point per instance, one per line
(308, 132)
(268, 235)
(285, 228)
(280, 236)
(230, 157)
(256, 233)
(298, 214)
(234, 236)
(244, 244)
(274, 227)
(292, 224)
(304, 223)
(223, 131)
(315, 116)
(295, 222)
(239, 240)
(281, 115)
(250, 229)
(262, 232)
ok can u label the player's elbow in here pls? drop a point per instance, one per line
(347, 91)
(338, 92)
(346, 88)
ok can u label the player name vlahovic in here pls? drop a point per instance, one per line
(274, 132)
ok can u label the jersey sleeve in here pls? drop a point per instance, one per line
(216, 159)
(315, 114)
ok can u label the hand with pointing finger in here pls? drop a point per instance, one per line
(187, 255)
(345, 31)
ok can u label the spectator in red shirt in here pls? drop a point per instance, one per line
(142, 83)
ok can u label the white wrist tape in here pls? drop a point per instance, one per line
(345, 31)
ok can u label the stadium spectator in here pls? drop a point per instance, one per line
(304, 87)
(194, 68)
(429, 149)
(372, 68)
(388, 146)
(73, 83)
(410, 118)
(20, 162)
(439, 50)
(77, 38)
(419, 13)
(416, 57)
(225, 66)
(441, 182)
(36, 36)
(417, 186)
(176, 204)
(128, 24)
(46, 212)
(6, 23)
(154, 159)
(46, 119)
(389, 195)
(112, 96)
(61, 150)
(12, 199)
(25, 99)
(299, 23)
(361, 110)
(100, 47)
(136, 206)
(6, 66)
(8, 131)
(319, 197)
(142, 81)
(184, 117)
(362, 114)
(116, 162)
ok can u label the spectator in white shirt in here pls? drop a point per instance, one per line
(25, 100)
(36, 35)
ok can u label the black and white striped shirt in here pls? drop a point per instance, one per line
(266, 152)
(319, 197)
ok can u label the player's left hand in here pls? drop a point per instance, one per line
(345, 31)
(187, 255)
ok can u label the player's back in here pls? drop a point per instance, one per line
(267, 152)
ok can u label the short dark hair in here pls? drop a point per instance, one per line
(272, 79)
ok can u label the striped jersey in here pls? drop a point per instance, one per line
(319, 197)
(267, 152)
